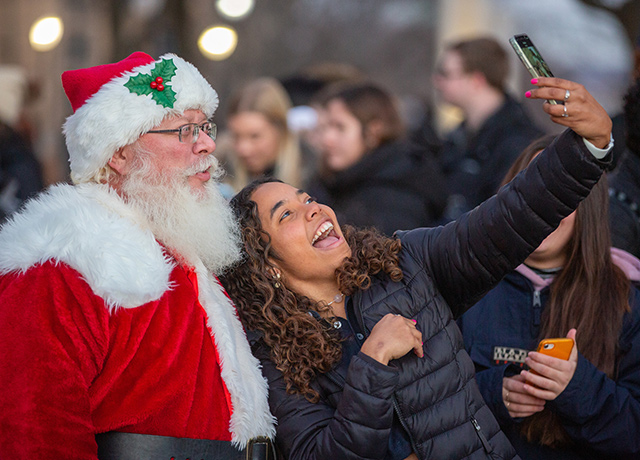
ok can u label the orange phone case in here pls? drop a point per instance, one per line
(558, 348)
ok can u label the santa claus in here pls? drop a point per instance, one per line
(116, 337)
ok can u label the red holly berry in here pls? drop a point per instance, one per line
(159, 79)
(160, 87)
(153, 84)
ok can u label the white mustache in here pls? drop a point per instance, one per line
(204, 164)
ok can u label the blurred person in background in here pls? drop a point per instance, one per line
(303, 88)
(472, 75)
(370, 175)
(259, 140)
(20, 171)
(575, 285)
(624, 181)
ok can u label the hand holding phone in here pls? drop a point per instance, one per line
(531, 58)
(557, 347)
(577, 109)
(552, 384)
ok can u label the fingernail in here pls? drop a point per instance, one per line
(527, 94)
(421, 343)
(415, 320)
(534, 81)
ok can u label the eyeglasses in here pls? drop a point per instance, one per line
(189, 133)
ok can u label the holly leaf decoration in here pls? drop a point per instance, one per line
(141, 83)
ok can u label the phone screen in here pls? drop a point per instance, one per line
(530, 57)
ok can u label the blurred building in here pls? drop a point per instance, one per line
(395, 43)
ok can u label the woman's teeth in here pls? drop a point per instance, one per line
(323, 231)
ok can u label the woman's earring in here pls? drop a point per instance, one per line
(277, 282)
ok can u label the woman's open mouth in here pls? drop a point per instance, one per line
(325, 236)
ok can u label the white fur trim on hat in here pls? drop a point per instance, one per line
(115, 116)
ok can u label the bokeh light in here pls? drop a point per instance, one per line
(234, 9)
(218, 43)
(46, 33)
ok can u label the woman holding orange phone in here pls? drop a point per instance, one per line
(573, 285)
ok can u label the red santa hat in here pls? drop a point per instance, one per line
(114, 104)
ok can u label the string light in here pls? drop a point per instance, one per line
(46, 33)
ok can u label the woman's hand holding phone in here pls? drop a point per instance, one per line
(577, 109)
(580, 111)
(552, 375)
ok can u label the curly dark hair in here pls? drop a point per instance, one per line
(301, 346)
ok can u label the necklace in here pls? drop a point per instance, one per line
(336, 298)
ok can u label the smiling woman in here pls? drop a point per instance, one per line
(338, 316)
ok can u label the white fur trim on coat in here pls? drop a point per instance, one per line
(114, 117)
(91, 229)
(248, 389)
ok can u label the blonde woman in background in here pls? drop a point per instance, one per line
(259, 141)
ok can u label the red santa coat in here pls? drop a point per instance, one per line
(100, 330)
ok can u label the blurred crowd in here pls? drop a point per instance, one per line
(355, 145)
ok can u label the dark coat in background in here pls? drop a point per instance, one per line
(20, 175)
(624, 204)
(474, 164)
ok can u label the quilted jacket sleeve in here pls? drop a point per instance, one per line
(358, 428)
(468, 257)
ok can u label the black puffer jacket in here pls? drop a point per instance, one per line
(446, 270)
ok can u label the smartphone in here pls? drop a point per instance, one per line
(531, 58)
(558, 348)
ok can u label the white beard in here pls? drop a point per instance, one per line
(191, 225)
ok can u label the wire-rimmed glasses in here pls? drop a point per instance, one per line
(189, 133)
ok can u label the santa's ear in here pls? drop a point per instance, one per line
(120, 162)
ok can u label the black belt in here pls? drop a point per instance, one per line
(131, 446)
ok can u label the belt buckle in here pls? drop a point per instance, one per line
(268, 450)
